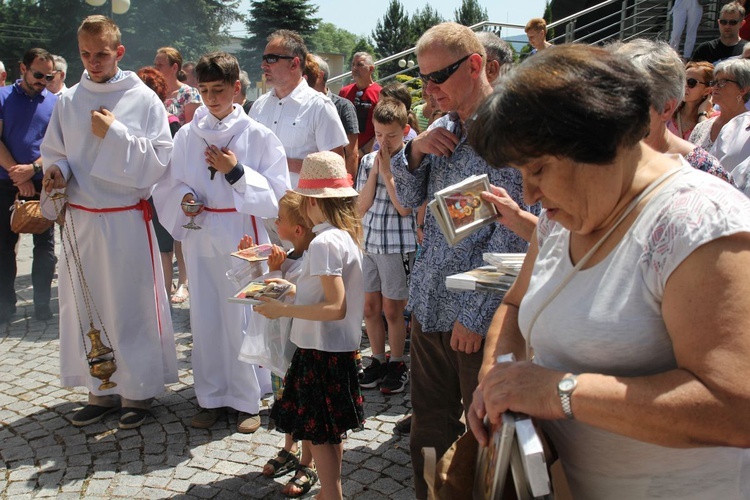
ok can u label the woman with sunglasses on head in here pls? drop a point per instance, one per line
(730, 91)
(665, 75)
(696, 103)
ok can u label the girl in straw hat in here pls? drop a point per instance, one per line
(322, 398)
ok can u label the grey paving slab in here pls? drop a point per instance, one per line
(43, 456)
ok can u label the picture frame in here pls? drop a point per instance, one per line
(459, 209)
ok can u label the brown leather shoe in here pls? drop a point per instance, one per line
(247, 423)
(206, 417)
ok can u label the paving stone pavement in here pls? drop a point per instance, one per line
(42, 455)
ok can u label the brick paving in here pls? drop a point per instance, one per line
(43, 456)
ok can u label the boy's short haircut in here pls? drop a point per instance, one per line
(217, 66)
(292, 203)
(389, 111)
(97, 25)
(536, 24)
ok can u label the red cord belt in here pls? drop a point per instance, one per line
(145, 207)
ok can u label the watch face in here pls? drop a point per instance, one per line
(567, 385)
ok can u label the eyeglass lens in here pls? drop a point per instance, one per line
(39, 76)
(441, 75)
(731, 22)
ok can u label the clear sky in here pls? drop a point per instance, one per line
(359, 17)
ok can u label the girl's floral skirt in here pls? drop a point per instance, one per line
(322, 399)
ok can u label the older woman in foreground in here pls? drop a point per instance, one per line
(640, 372)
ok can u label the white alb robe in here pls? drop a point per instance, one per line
(218, 326)
(118, 250)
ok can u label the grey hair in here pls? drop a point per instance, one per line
(662, 67)
(366, 55)
(323, 68)
(60, 64)
(739, 69)
(244, 83)
(2, 66)
(497, 48)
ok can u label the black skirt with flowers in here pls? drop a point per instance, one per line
(322, 399)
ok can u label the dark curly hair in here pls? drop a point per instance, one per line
(574, 101)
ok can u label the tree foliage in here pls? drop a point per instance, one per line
(194, 27)
(333, 40)
(392, 34)
(267, 16)
(424, 19)
(470, 13)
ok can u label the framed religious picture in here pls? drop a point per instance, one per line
(459, 210)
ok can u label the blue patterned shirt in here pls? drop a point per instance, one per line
(435, 307)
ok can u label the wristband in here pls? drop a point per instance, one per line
(420, 226)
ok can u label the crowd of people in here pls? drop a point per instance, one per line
(614, 169)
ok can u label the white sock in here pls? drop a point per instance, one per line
(379, 357)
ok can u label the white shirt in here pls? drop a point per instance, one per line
(732, 145)
(305, 121)
(608, 320)
(332, 252)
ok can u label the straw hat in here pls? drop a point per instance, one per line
(324, 175)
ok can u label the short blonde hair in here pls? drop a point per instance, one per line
(101, 26)
(457, 39)
(536, 24)
(291, 202)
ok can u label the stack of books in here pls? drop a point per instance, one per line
(497, 277)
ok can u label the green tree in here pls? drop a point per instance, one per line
(548, 17)
(392, 34)
(267, 16)
(424, 19)
(194, 27)
(470, 13)
(331, 39)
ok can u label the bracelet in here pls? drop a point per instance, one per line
(420, 226)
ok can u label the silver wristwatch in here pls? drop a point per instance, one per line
(565, 389)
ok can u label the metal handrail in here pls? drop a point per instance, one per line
(569, 34)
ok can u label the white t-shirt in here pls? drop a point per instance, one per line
(305, 121)
(332, 252)
(608, 320)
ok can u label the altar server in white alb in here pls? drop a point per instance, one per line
(107, 144)
(237, 169)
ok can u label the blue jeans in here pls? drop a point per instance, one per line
(43, 266)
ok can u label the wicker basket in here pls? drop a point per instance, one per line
(26, 217)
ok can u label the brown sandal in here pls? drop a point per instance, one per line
(284, 463)
(304, 483)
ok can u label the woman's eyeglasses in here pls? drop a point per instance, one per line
(40, 76)
(730, 22)
(721, 83)
(274, 58)
(441, 75)
(692, 82)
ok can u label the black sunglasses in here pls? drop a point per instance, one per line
(39, 76)
(274, 58)
(731, 22)
(692, 82)
(441, 75)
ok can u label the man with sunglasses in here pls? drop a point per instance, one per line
(729, 44)
(304, 120)
(25, 111)
(364, 93)
(447, 354)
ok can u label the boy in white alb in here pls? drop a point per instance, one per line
(237, 169)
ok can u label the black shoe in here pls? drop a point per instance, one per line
(6, 313)
(374, 374)
(42, 312)
(403, 426)
(132, 418)
(91, 414)
(396, 378)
